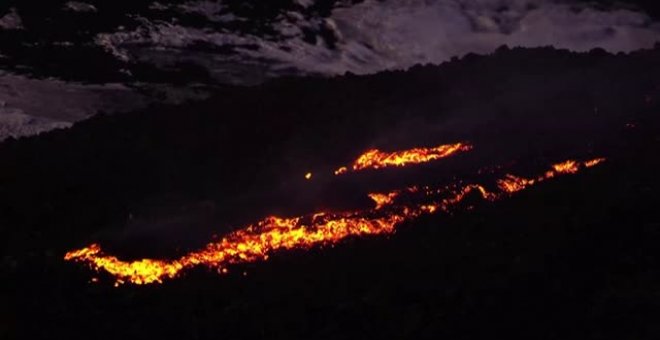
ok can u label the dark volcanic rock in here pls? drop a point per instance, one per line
(572, 259)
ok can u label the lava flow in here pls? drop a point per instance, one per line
(376, 159)
(256, 242)
(513, 184)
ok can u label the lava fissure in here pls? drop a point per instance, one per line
(255, 242)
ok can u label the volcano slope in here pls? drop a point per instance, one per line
(571, 258)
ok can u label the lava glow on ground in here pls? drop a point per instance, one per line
(257, 241)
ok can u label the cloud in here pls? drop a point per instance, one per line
(15, 123)
(31, 106)
(377, 35)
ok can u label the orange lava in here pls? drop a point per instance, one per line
(376, 159)
(256, 242)
(383, 199)
(568, 167)
(251, 244)
(511, 183)
(594, 162)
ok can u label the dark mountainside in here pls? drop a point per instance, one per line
(575, 258)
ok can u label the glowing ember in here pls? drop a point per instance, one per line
(257, 241)
(568, 167)
(308, 176)
(513, 184)
(594, 162)
(341, 170)
(376, 159)
(383, 199)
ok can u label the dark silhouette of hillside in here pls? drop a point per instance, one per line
(575, 258)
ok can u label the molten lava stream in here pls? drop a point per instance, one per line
(257, 241)
(376, 159)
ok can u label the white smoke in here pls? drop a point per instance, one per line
(377, 35)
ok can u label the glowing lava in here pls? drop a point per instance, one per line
(594, 162)
(511, 183)
(256, 242)
(383, 199)
(376, 159)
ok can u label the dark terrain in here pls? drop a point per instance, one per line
(573, 258)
